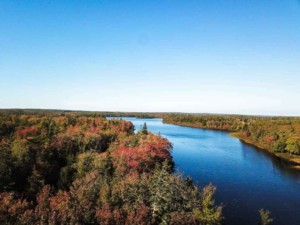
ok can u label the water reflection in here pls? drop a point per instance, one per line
(279, 165)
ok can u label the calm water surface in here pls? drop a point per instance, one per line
(247, 179)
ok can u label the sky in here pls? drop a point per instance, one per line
(201, 56)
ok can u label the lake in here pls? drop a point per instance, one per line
(247, 178)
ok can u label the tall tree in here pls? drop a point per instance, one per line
(145, 129)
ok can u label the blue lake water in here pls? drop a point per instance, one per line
(247, 178)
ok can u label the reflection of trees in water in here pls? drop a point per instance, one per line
(280, 165)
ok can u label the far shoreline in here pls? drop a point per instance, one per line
(292, 159)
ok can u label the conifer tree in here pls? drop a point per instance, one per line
(145, 129)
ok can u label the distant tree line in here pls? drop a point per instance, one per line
(276, 134)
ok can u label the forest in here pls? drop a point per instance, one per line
(62, 167)
(279, 135)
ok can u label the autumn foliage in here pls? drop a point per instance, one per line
(151, 149)
(76, 168)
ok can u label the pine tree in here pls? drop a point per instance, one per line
(145, 129)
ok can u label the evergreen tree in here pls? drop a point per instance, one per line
(145, 129)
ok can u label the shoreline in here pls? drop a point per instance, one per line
(292, 159)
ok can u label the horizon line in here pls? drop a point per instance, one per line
(152, 112)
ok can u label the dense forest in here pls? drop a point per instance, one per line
(279, 135)
(79, 168)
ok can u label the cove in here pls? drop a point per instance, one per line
(247, 178)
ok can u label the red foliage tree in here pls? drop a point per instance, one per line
(143, 158)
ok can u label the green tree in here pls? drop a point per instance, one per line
(20, 151)
(293, 145)
(66, 173)
(145, 129)
(209, 214)
(279, 146)
(7, 169)
(23, 160)
(160, 194)
(265, 217)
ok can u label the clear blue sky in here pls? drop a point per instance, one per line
(187, 56)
